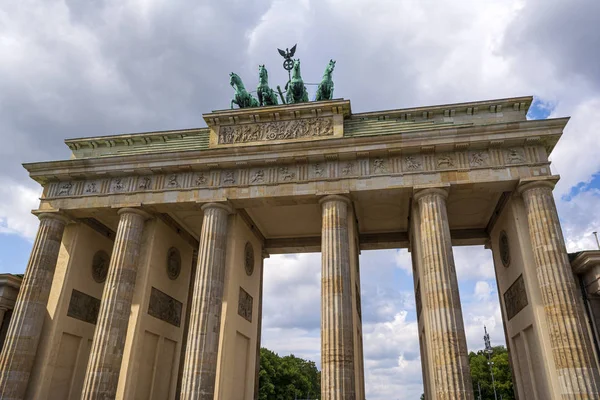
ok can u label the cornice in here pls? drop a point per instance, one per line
(548, 131)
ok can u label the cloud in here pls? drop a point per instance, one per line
(17, 202)
(73, 69)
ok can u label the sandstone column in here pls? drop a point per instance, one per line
(200, 368)
(104, 365)
(448, 347)
(571, 347)
(337, 346)
(20, 347)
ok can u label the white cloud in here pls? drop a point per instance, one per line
(15, 209)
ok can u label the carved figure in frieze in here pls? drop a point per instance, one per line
(229, 177)
(258, 176)
(118, 184)
(277, 130)
(65, 189)
(145, 182)
(379, 166)
(91, 187)
(348, 169)
(412, 163)
(200, 179)
(445, 162)
(477, 158)
(514, 156)
(286, 174)
(318, 170)
(173, 181)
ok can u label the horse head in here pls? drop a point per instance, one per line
(234, 79)
(296, 69)
(262, 73)
(330, 67)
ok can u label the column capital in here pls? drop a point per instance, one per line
(131, 210)
(536, 182)
(224, 206)
(420, 192)
(334, 197)
(52, 214)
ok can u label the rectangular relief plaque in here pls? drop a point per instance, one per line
(83, 307)
(515, 298)
(164, 307)
(245, 305)
(276, 130)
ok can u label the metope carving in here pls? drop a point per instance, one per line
(91, 187)
(258, 176)
(379, 166)
(478, 158)
(200, 179)
(173, 181)
(65, 189)
(145, 183)
(413, 163)
(286, 175)
(348, 169)
(245, 305)
(278, 130)
(118, 184)
(445, 162)
(514, 156)
(83, 307)
(165, 307)
(515, 298)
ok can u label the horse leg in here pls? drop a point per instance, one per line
(233, 101)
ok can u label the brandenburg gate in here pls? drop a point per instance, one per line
(145, 278)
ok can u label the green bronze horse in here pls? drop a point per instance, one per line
(266, 95)
(325, 89)
(296, 91)
(242, 98)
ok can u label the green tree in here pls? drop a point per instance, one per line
(287, 378)
(480, 373)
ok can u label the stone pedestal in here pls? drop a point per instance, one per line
(23, 336)
(571, 347)
(337, 346)
(104, 366)
(200, 367)
(448, 348)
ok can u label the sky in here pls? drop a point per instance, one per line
(84, 68)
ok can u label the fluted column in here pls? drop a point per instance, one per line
(200, 368)
(571, 347)
(20, 346)
(337, 347)
(448, 347)
(104, 365)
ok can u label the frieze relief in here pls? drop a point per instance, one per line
(165, 307)
(277, 130)
(301, 171)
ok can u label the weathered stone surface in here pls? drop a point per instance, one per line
(200, 367)
(104, 366)
(20, 346)
(165, 307)
(245, 305)
(84, 307)
(571, 346)
(515, 298)
(337, 343)
(294, 129)
(448, 347)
